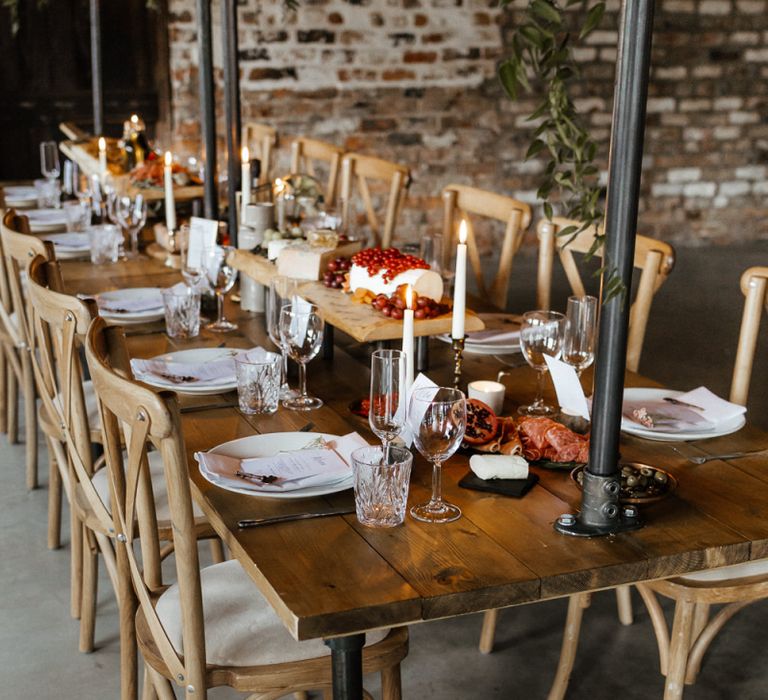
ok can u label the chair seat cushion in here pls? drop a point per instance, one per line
(241, 629)
(100, 482)
(759, 567)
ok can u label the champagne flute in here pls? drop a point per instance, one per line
(387, 411)
(541, 334)
(49, 160)
(301, 330)
(221, 276)
(438, 419)
(580, 332)
(282, 291)
(131, 213)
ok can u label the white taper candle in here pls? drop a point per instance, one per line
(408, 342)
(102, 158)
(245, 186)
(170, 202)
(460, 285)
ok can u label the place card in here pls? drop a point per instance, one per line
(570, 394)
(202, 235)
(421, 382)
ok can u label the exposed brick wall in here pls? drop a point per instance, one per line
(413, 80)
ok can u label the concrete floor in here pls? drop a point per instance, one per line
(691, 340)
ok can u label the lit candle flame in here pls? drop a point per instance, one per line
(245, 155)
(408, 297)
(463, 232)
(135, 118)
(102, 143)
(279, 186)
(168, 158)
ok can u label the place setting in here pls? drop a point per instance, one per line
(131, 306)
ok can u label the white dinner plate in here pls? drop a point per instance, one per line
(20, 196)
(195, 356)
(46, 220)
(131, 317)
(69, 246)
(270, 444)
(488, 348)
(725, 427)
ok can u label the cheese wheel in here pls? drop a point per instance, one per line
(426, 283)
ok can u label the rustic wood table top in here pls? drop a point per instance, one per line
(333, 576)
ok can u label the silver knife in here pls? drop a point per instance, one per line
(270, 520)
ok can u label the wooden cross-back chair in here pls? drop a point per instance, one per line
(18, 249)
(655, 259)
(261, 141)
(754, 286)
(459, 201)
(364, 169)
(305, 151)
(204, 630)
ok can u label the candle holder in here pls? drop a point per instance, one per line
(458, 359)
(173, 259)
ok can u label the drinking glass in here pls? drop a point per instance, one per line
(580, 332)
(182, 312)
(78, 215)
(258, 383)
(431, 251)
(301, 330)
(381, 485)
(437, 417)
(282, 291)
(48, 193)
(131, 213)
(105, 240)
(387, 411)
(49, 160)
(221, 276)
(541, 334)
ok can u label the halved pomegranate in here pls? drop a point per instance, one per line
(482, 423)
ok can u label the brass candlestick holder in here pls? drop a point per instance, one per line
(458, 359)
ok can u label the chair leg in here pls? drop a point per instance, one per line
(624, 604)
(679, 648)
(148, 691)
(577, 603)
(704, 638)
(488, 632)
(4, 369)
(12, 407)
(76, 562)
(30, 420)
(217, 550)
(391, 688)
(126, 604)
(162, 686)
(54, 501)
(659, 623)
(90, 588)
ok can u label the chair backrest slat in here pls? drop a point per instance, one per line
(261, 141)
(305, 151)
(754, 285)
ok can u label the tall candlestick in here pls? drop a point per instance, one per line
(102, 158)
(170, 202)
(280, 204)
(245, 192)
(460, 285)
(408, 351)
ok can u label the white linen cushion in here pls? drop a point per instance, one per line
(100, 482)
(91, 405)
(241, 629)
(750, 568)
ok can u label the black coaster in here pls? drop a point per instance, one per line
(517, 488)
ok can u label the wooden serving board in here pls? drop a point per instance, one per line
(365, 324)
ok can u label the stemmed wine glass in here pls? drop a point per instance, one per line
(221, 276)
(541, 334)
(301, 330)
(437, 418)
(580, 332)
(387, 411)
(49, 160)
(131, 213)
(282, 291)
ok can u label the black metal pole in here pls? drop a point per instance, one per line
(231, 110)
(600, 512)
(347, 666)
(96, 72)
(207, 109)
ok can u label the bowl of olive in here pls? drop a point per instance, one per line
(640, 483)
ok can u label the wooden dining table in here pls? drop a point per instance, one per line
(335, 579)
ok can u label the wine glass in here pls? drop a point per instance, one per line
(541, 334)
(437, 417)
(580, 332)
(131, 213)
(49, 160)
(192, 269)
(221, 276)
(387, 411)
(301, 330)
(282, 291)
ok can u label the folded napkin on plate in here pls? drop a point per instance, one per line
(499, 466)
(20, 192)
(218, 370)
(714, 408)
(46, 216)
(131, 302)
(492, 337)
(319, 463)
(73, 239)
(665, 417)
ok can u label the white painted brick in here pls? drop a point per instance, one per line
(665, 189)
(603, 37)
(756, 55)
(752, 172)
(745, 38)
(727, 103)
(671, 72)
(682, 6)
(584, 55)
(707, 70)
(734, 189)
(751, 7)
(743, 117)
(700, 189)
(695, 105)
(720, 202)
(726, 133)
(760, 187)
(608, 55)
(660, 104)
(714, 7)
(683, 174)
(694, 134)
(589, 104)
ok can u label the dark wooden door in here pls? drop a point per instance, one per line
(45, 73)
